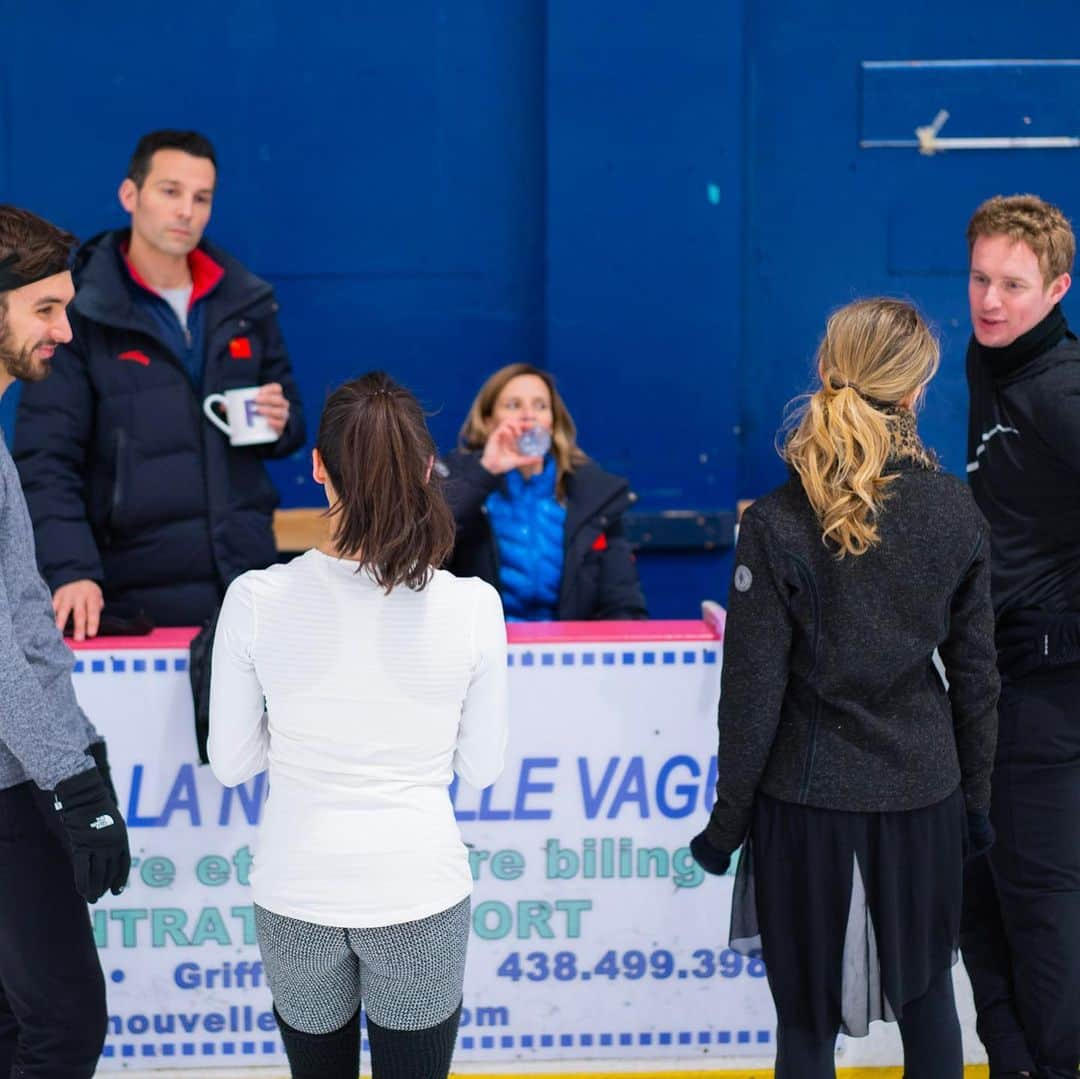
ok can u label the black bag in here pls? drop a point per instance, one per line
(202, 650)
(117, 620)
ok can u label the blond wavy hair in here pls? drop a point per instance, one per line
(564, 448)
(875, 354)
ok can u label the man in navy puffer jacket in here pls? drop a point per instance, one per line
(136, 498)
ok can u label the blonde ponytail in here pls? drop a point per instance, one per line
(875, 354)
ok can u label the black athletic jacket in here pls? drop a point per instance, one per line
(1024, 465)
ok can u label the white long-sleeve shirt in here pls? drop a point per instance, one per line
(372, 701)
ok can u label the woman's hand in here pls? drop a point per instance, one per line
(501, 454)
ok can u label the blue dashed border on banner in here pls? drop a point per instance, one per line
(592, 657)
(608, 1039)
(684, 657)
(143, 665)
(126, 1050)
(466, 1043)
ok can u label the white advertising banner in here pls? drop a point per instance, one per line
(595, 935)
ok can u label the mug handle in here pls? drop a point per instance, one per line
(211, 415)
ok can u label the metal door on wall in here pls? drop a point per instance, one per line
(840, 202)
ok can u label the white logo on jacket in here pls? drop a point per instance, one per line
(985, 437)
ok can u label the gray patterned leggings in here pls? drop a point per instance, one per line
(409, 976)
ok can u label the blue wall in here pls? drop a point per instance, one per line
(660, 202)
(827, 221)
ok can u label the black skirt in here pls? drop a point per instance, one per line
(854, 913)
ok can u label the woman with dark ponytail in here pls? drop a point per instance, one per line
(363, 676)
(854, 777)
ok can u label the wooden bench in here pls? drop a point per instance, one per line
(297, 530)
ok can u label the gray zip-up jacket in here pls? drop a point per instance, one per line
(830, 696)
(43, 732)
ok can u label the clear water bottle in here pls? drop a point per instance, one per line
(534, 442)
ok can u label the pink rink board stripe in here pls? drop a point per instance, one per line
(516, 632)
(169, 637)
(616, 632)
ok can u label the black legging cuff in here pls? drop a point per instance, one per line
(413, 1054)
(335, 1055)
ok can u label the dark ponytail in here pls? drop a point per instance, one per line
(390, 510)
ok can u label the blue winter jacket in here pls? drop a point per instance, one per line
(599, 578)
(528, 526)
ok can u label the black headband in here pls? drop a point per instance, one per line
(11, 279)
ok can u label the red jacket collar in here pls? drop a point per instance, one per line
(206, 274)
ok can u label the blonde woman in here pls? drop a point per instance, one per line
(543, 525)
(853, 779)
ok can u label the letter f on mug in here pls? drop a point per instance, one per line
(244, 424)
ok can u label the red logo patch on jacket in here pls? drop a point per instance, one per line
(240, 348)
(136, 356)
(600, 543)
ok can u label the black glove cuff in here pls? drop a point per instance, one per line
(710, 858)
(101, 759)
(100, 754)
(980, 833)
(81, 791)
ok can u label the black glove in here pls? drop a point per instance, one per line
(101, 759)
(97, 833)
(710, 858)
(1028, 641)
(980, 833)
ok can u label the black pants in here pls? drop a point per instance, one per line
(1020, 934)
(52, 992)
(929, 1029)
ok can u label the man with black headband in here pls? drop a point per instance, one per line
(58, 810)
(1021, 932)
(137, 499)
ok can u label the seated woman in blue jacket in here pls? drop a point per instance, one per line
(544, 527)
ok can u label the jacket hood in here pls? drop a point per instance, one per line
(103, 287)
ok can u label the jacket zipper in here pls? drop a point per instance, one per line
(195, 400)
(120, 439)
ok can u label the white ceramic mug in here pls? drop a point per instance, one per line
(245, 425)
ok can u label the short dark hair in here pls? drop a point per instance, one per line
(378, 452)
(35, 247)
(1031, 220)
(188, 142)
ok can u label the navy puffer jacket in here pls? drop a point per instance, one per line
(127, 482)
